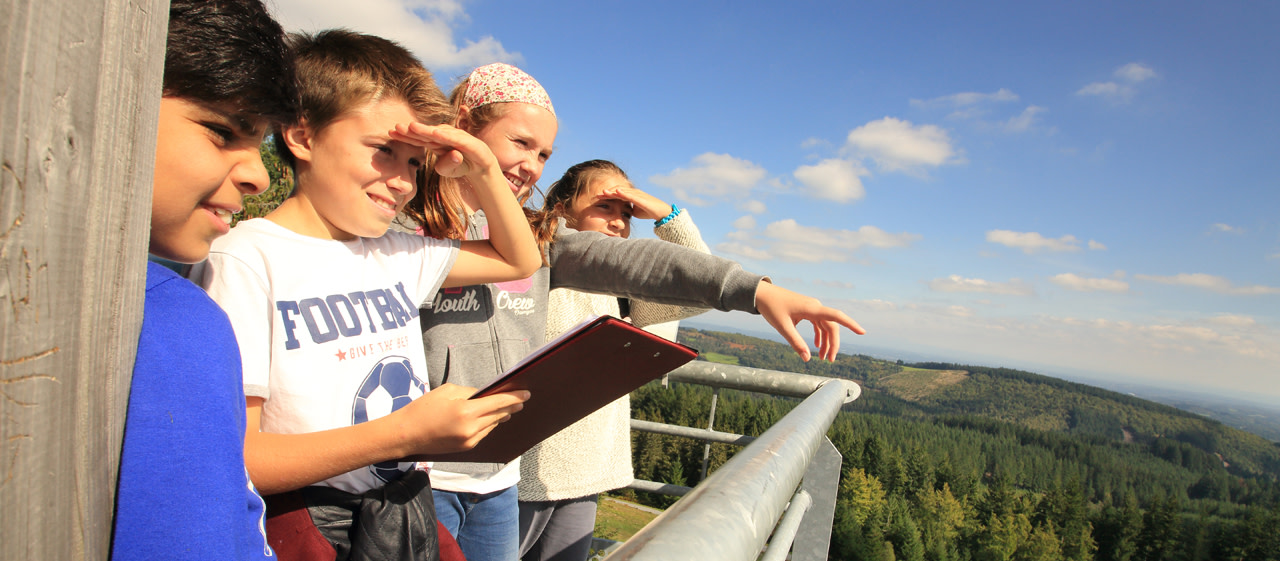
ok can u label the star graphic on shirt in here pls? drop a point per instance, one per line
(342, 355)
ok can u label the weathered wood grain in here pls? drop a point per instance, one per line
(81, 83)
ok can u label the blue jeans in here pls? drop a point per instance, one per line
(486, 526)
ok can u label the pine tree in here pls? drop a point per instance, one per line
(1118, 529)
(940, 517)
(903, 532)
(1160, 537)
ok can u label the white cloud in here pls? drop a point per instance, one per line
(1206, 339)
(1189, 340)
(712, 176)
(956, 283)
(1097, 246)
(1232, 320)
(897, 145)
(834, 284)
(952, 311)
(1023, 121)
(975, 106)
(1128, 75)
(1210, 282)
(1031, 242)
(1226, 229)
(1170, 351)
(964, 99)
(787, 240)
(425, 27)
(743, 250)
(877, 305)
(1075, 282)
(834, 180)
(1134, 73)
(866, 236)
(745, 223)
(1106, 89)
(753, 206)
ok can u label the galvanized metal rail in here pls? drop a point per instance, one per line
(790, 473)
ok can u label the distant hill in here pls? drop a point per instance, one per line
(949, 462)
(1026, 399)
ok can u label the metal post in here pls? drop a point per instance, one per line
(711, 426)
(785, 534)
(822, 483)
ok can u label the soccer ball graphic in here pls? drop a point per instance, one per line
(389, 386)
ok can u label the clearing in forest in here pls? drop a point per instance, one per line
(913, 384)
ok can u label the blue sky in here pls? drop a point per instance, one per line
(1084, 188)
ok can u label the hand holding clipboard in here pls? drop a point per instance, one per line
(583, 370)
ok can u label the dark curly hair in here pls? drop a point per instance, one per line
(230, 52)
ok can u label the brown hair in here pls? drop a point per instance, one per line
(574, 182)
(339, 70)
(437, 205)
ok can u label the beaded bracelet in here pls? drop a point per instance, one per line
(675, 211)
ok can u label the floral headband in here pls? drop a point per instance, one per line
(503, 83)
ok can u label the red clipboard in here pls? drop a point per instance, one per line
(590, 367)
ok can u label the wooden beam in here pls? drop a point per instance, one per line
(81, 83)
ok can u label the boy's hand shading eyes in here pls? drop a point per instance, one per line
(458, 154)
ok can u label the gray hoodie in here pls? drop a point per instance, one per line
(475, 333)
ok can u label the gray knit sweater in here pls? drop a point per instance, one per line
(473, 334)
(593, 455)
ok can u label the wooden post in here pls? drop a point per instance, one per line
(81, 83)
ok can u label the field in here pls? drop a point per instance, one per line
(618, 520)
(719, 358)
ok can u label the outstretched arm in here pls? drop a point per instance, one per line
(680, 231)
(510, 252)
(441, 421)
(662, 272)
(648, 269)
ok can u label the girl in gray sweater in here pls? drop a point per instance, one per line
(473, 334)
(561, 477)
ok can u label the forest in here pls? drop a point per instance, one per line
(958, 462)
(948, 462)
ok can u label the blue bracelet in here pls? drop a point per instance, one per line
(675, 211)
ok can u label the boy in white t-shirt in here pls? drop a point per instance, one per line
(324, 301)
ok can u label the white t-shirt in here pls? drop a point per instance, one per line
(328, 330)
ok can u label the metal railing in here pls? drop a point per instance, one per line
(775, 496)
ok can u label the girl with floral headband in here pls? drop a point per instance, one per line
(473, 334)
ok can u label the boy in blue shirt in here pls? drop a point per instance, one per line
(183, 491)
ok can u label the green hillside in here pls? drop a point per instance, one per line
(1021, 398)
(946, 461)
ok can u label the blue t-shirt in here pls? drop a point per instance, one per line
(184, 492)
